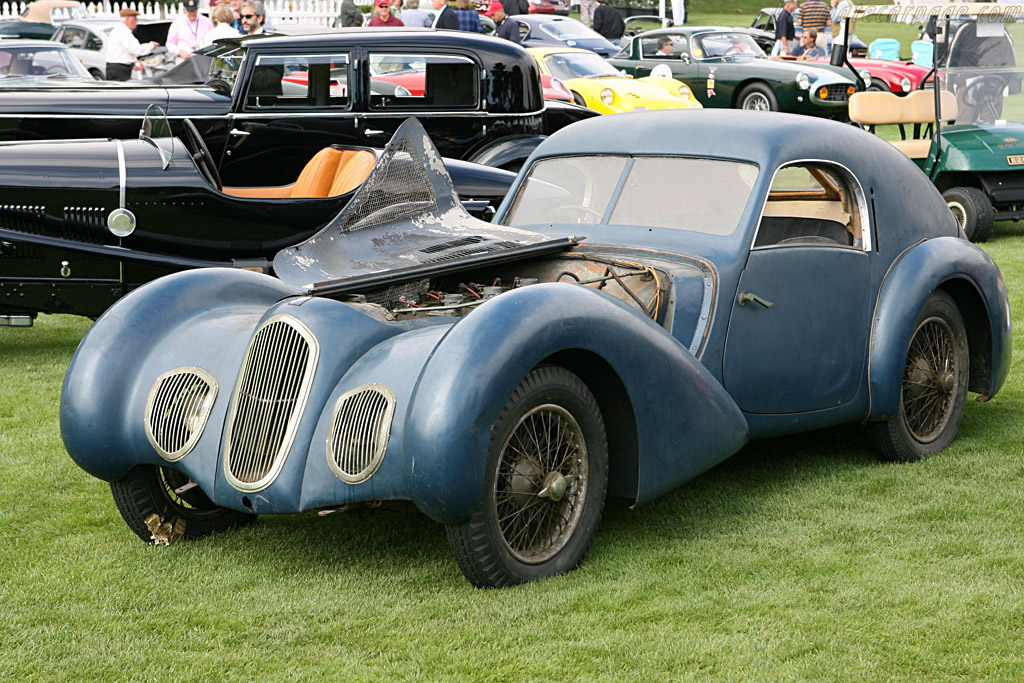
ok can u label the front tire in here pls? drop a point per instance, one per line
(972, 210)
(757, 97)
(934, 386)
(149, 490)
(544, 490)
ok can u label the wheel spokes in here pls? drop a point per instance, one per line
(930, 380)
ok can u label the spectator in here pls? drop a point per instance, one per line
(807, 48)
(412, 15)
(587, 8)
(814, 14)
(236, 10)
(254, 17)
(123, 48)
(222, 16)
(384, 17)
(785, 32)
(514, 7)
(469, 18)
(445, 16)
(507, 28)
(608, 22)
(188, 31)
(349, 15)
(840, 10)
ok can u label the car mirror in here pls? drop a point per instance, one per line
(685, 57)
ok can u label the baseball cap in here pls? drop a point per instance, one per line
(494, 8)
(381, 3)
(190, 5)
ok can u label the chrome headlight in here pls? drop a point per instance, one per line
(865, 76)
(607, 96)
(401, 91)
(803, 81)
(684, 91)
(906, 85)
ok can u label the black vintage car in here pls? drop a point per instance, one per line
(83, 222)
(269, 103)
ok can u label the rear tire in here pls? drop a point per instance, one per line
(149, 490)
(757, 97)
(877, 85)
(544, 488)
(933, 387)
(972, 210)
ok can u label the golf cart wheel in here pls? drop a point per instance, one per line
(757, 97)
(972, 210)
(933, 389)
(544, 487)
(148, 491)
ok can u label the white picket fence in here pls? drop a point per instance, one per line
(318, 12)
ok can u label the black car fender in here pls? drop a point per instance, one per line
(509, 153)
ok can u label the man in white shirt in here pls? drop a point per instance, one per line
(187, 32)
(123, 48)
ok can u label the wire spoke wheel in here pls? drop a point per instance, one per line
(930, 380)
(544, 485)
(541, 484)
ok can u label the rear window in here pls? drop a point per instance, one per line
(421, 81)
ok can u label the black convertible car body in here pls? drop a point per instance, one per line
(82, 222)
(270, 103)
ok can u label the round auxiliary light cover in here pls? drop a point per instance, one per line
(121, 222)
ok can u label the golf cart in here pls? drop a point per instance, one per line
(967, 135)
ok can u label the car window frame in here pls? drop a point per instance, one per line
(860, 197)
(290, 109)
(415, 104)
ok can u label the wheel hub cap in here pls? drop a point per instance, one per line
(554, 486)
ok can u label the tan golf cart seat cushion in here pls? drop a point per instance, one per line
(917, 107)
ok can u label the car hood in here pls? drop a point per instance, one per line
(820, 74)
(112, 99)
(406, 215)
(983, 147)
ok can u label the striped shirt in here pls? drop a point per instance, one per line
(814, 14)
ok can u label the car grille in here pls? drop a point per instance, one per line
(25, 218)
(837, 92)
(268, 401)
(177, 409)
(360, 428)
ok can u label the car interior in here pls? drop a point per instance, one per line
(331, 172)
(810, 205)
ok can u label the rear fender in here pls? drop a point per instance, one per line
(506, 151)
(685, 422)
(973, 279)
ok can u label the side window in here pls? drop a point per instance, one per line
(418, 81)
(664, 47)
(92, 41)
(299, 82)
(814, 204)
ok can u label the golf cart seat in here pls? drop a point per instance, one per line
(918, 108)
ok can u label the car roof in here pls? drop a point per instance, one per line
(554, 49)
(364, 37)
(30, 42)
(40, 9)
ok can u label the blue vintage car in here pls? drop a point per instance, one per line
(652, 294)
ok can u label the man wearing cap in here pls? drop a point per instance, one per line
(446, 17)
(384, 16)
(123, 48)
(188, 31)
(509, 30)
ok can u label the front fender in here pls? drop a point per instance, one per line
(506, 151)
(947, 262)
(105, 388)
(685, 422)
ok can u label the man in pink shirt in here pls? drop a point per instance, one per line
(188, 31)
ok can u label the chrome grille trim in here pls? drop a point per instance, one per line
(270, 397)
(177, 408)
(360, 429)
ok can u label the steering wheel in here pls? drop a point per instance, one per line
(57, 69)
(201, 154)
(983, 90)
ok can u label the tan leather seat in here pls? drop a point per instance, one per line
(329, 173)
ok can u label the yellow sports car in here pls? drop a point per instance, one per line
(597, 84)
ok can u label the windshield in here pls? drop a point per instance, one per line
(726, 44)
(680, 193)
(566, 65)
(569, 29)
(981, 73)
(39, 61)
(225, 68)
(156, 130)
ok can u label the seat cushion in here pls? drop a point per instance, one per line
(318, 175)
(354, 168)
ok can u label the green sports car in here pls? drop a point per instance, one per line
(726, 68)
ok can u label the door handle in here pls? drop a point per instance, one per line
(236, 131)
(746, 297)
(370, 131)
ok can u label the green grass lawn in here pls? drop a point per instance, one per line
(798, 558)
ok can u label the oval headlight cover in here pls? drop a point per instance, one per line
(803, 81)
(607, 96)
